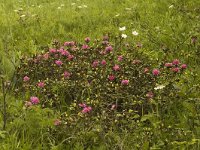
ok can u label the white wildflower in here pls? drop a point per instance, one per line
(124, 36)
(85, 6)
(59, 7)
(135, 33)
(159, 87)
(122, 28)
(80, 7)
(62, 5)
(171, 6)
(73, 4)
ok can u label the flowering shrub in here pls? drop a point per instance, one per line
(94, 82)
(98, 74)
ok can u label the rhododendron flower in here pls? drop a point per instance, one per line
(120, 58)
(103, 62)
(168, 65)
(95, 63)
(146, 70)
(57, 122)
(65, 53)
(125, 82)
(41, 84)
(66, 43)
(67, 74)
(111, 77)
(28, 104)
(84, 47)
(52, 50)
(116, 68)
(34, 100)
(87, 109)
(183, 66)
(70, 57)
(46, 56)
(58, 62)
(176, 62)
(109, 49)
(150, 95)
(82, 105)
(87, 39)
(26, 78)
(176, 70)
(156, 72)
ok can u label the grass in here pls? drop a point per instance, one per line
(165, 29)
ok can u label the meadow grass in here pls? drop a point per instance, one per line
(165, 29)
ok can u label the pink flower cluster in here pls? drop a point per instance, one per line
(33, 101)
(86, 109)
(175, 66)
(41, 84)
(26, 79)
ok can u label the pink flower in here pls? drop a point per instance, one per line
(116, 68)
(111, 77)
(175, 62)
(28, 104)
(26, 78)
(72, 43)
(125, 82)
(87, 109)
(34, 100)
(57, 122)
(176, 70)
(87, 39)
(82, 105)
(66, 43)
(58, 62)
(84, 47)
(150, 95)
(183, 66)
(146, 70)
(67, 74)
(95, 63)
(156, 72)
(120, 58)
(70, 57)
(103, 62)
(109, 49)
(41, 84)
(168, 65)
(46, 56)
(52, 50)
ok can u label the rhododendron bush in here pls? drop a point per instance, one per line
(101, 74)
(101, 82)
